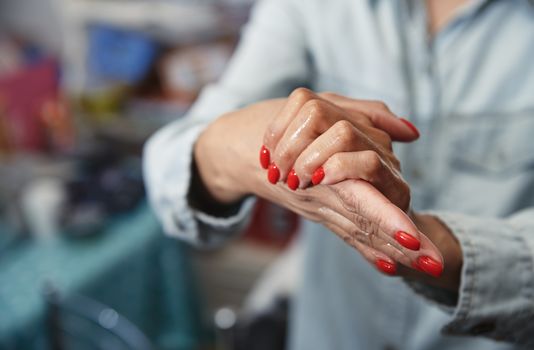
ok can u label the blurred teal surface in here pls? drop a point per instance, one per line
(131, 266)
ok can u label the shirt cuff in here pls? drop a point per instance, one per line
(167, 168)
(214, 231)
(495, 297)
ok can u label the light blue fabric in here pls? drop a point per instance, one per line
(470, 91)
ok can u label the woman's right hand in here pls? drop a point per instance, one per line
(226, 157)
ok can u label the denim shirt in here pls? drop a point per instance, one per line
(470, 91)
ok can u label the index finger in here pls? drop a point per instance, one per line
(276, 129)
(379, 114)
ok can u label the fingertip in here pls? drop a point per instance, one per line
(396, 127)
(407, 240)
(273, 173)
(428, 248)
(411, 127)
(265, 157)
(386, 267)
(318, 176)
(429, 265)
(293, 180)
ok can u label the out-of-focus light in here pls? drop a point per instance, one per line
(225, 318)
(108, 318)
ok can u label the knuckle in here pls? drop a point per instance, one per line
(344, 131)
(314, 106)
(313, 110)
(366, 228)
(384, 139)
(362, 238)
(348, 200)
(329, 94)
(373, 162)
(301, 95)
(380, 105)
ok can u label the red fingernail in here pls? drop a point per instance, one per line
(415, 266)
(293, 180)
(411, 126)
(265, 157)
(429, 265)
(407, 240)
(386, 267)
(318, 176)
(273, 174)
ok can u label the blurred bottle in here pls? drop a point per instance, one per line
(58, 125)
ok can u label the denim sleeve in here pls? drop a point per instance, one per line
(496, 294)
(260, 69)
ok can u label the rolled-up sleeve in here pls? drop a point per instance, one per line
(167, 168)
(496, 294)
(269, 62)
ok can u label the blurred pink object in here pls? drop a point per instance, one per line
(22, 97)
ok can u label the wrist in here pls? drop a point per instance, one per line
(213, 169)
(229, 170)
(226, 153)
(200, 197)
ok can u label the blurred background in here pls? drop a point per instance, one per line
(83, 261)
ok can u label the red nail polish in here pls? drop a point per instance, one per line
(273, 174)
(411, 126)
(265, 157)
(429, 265)
(293, 180)
(318, 176)
(386, 267)
(416, 267)
(407, 240)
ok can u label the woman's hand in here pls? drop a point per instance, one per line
(354, 209)
(328, 138)
(353, 148)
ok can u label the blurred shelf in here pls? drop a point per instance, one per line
(140, 119)
(172, 21)
(169, 22)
